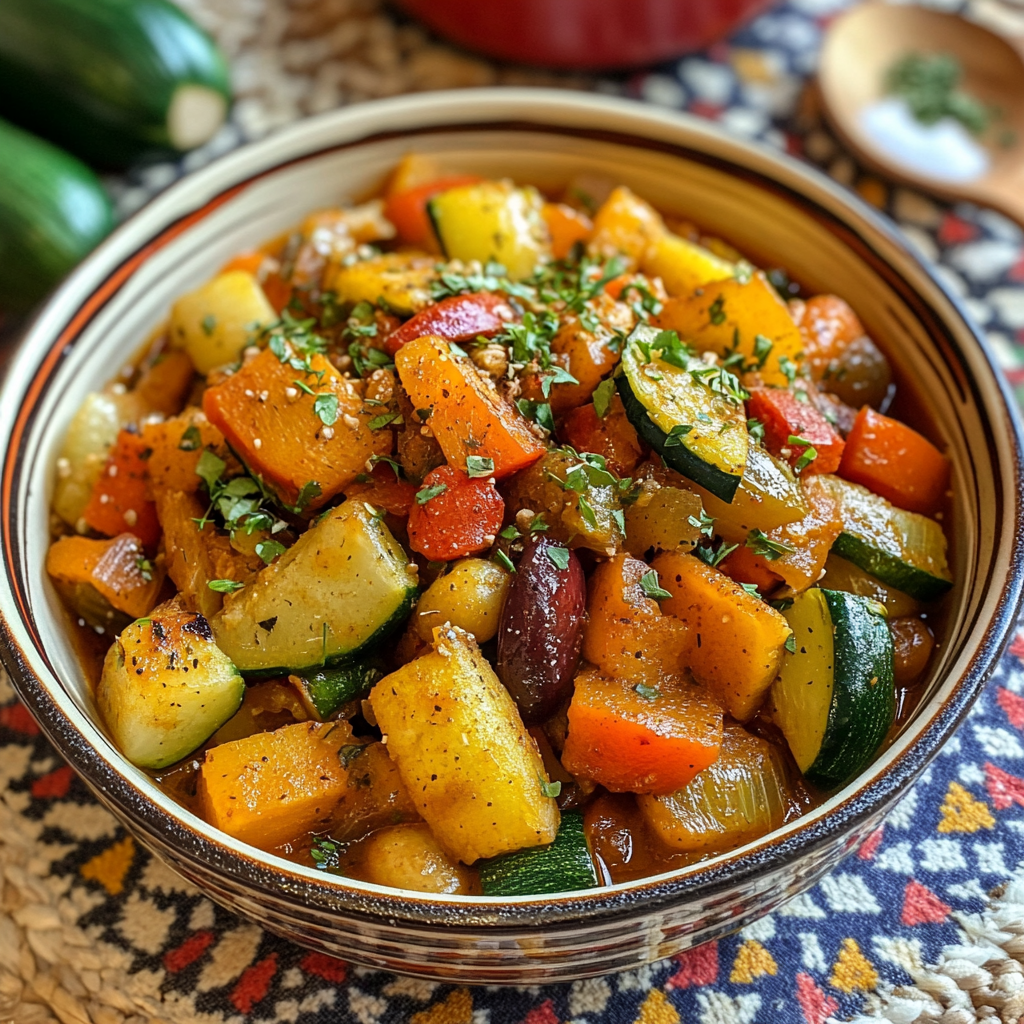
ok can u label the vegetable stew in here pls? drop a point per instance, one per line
(475, 540)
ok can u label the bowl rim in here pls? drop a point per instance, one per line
(522, 109)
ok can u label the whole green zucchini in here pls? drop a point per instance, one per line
(110, 79)
(53, 212)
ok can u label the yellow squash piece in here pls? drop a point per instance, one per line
(398, 280)
(463, 752)
(625, 226)
(684, 266)
(492, 221)
(729, 316)
(215, 322)
(738, 640)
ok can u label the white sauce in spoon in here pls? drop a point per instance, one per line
(945, 150)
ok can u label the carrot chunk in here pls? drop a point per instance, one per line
(407, 209)
(895, 461)
(459, 318)
(119, 500)
(454, 515)
(743, 566)
(296, 429)
(566, 227)
(635, 738)
(785, 416)
(466, 413)
(829, 325)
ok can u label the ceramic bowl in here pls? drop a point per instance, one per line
(768, 205)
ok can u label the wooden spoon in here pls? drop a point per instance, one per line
(863, 44)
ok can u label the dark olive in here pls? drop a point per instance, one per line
(541, 630)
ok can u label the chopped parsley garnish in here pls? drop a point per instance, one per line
(647, 692)
(558, 556)
(602, 398)
(348, 753)
(310, 492)
(191, 440)
(587, 512)
(145, 568)
(549, 789)
(652, 588)
(716, 312)
(675, 436)
(209, 324)
(325, 853)
(751, 589)
(705, 524)
(225, 586)
(374, 460)
(479, 466)
(510, 533)
(810, 453)
(424, 494)
(788, 367)
(791, 643)
(381, 421)
(268, 550)
(761, 544)
(326, 407)
(762, 349)
(504, 561)
(555, 375)
(712, 556)
(539, 412)
(755, 428)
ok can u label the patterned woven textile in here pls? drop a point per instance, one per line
(924, 922)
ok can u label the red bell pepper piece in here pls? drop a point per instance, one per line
(895, 461)
(407, 210)
(784, 416)
(119, 502)
(459, 318)
(454, 515)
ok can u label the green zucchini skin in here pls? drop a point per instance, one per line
(864, 692)
(677, 457)
(563, 866)
(890, 569)
(99, 76)
(329, 688)
(53, 213)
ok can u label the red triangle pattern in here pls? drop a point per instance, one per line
(817, 1007)
(1012, 705)
(54, 785)
(254, 984)
(1004, 789)
(543, 1014)
(697, 966)
(329, 968)
(867, 849)
(922, 906)
(953, 230)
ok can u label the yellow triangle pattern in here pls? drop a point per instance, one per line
(852, 970)
(656, 1009)
(110, 867)
(752, 961)
(456, 1009)
(962, 813)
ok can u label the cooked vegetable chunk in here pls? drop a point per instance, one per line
(216, 321)
(895, 461)
(454, 515)
(304, 434)
(730, 316)
(409, 857)
(738, 640)
(611, 436)
(492, 221)
(563, 866)
(374, 796)
(663, 520)
(627, 635)
(466, 413)
(327, 689)
(269, 788)
(458, 318)
(119, 500)
(464, 753)
(796, 431)
(741, 796)
(402, 280)
(165, 688)
(684, 266)
(834, 699)
(343, 585)
(631, 737)
(625, 226)
(686, 410)
(470, 596)
(903, 549)
(91, 572)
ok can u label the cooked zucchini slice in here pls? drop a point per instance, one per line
(562, 866)
(835, 695)
(698, 431)
(492, 221)
(327, 689)
(903, 549)
(342, 587)
(166, 688)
